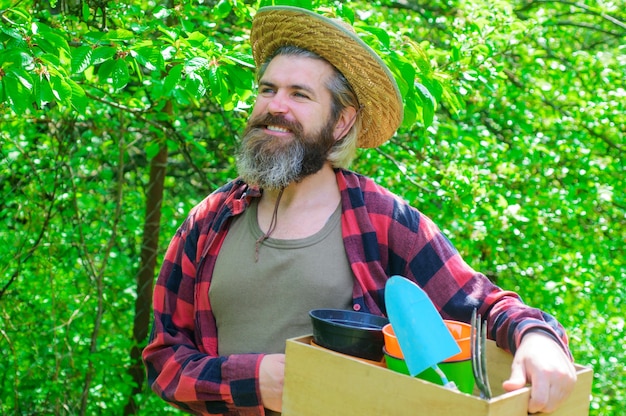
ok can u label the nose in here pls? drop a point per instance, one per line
(278, 104)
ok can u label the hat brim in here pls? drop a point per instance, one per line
(369, 77)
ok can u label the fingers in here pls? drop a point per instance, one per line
(547, 392)
(539, 397)
(517, 380)
(542, 363)
(550, 390)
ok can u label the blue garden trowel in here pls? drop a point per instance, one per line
(424, 338)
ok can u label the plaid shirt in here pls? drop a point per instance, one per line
(383, 236)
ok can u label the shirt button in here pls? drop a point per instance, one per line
(357, 307)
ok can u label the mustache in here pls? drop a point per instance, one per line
(262, 121)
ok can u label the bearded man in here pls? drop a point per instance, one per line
(244, 269)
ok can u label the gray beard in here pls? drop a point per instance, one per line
(265, 161)
(270, 170)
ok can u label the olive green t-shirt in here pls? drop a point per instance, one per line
(258, 305)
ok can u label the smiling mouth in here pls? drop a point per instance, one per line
(277, 129)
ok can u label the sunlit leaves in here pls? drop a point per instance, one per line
(222, 9)
(513, 141)
(172, 79)
(428, 103)
(49, 40)
(79, 98)
(119, 74)
(305, 4)
(194, 85)
(102, 54)
(82, 57)
(196, 64)
(114, 72)
(15, 90)
(118, 35)
(149, 57)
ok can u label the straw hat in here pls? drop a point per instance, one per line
(369, 77)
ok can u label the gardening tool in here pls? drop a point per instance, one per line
(424, 338)
(478, 338)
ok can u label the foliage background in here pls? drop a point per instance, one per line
(117, 117)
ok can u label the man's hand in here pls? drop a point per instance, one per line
(540, 361)
(271, 380)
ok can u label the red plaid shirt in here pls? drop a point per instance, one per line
(383, 236)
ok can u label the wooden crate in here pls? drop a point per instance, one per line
(322, 382)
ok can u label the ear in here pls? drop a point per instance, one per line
(345, 122)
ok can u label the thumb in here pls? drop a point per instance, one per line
(517, 380)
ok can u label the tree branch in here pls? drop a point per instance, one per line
(586, 26)
(402, 169)
(47, 218)
(579, 5)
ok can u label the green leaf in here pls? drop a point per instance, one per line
(119, 35)
(194, 85)
(380, 34)
(434, 87)
(152, 149)
(22, 76)
(405, 74)
(172, 79)
(45, 92)
(18, 96)
(119, 74)
(427, 97)
(305, 4)
(162, 12)
(420, 58)
(222, 9)
(239, 77)
(14, 33)
(61, 90)
(51, 60)
(86, 11)
(79, 99)
(52, 42)
(239, 58)
(149, 57)
(196, 64)
(102, 54)
(93, 37)
(345, 12)
(104, 71)
(181, 97)
(17, 13)
(453, 101)
(81, 58)
(17, 58)
(196, 38)
(411, 111)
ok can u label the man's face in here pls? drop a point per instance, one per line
(289, 132)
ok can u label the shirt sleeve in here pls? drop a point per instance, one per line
(456, 289)
(183, 367)
(385, 236)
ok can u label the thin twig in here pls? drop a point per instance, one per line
(100, 275)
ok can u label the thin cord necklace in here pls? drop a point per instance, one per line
(270, 229)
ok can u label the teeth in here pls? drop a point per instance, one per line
(278, 129)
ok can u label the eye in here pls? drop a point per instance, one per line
(265, 90)
(300, 94)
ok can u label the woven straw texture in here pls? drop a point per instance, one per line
(371, 80)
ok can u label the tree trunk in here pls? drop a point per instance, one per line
(145, 276)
